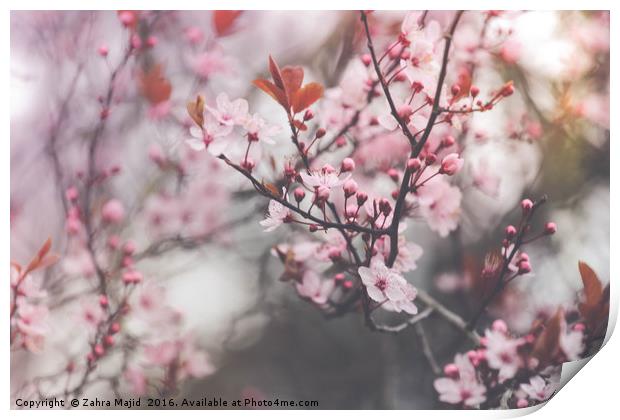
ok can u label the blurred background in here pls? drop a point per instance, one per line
(551, 137)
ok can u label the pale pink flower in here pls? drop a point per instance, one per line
(465, 389)
(538, 389)
(571, 342)
(334, 245)
(259, 130)
(408, 253)
(315, 289)
(27, 287)
(134, 375)
(502, 353)
(229, 112)
(323, 180)
(212, 135)
(278, 214)
(210, 62)
(386, 286)
(194, 362)
(32, 323)
(162, 353)
(440, 205)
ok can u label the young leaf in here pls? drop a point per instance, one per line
(274, 69)
(223, 20)
(547, 345)
(592, 286)
(195, 109)
(306, 96)
(154, 86)
(272, 90)
(292, 78)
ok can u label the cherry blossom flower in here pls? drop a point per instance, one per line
(212, 136)
(408, 253)
(259, 130)
(538, 389)
(571, 342)
(502, 353)
(451, 164)
(278, 214)
(315, 289)
(229, 112)
(440, 205)
(385, 285)
(323, 180)
(464, 388)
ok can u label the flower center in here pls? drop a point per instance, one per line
(381, 284)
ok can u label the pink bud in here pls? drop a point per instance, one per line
(127, 17)
(350, 188)
(579, 327)
(414, 164)
(522, 403)
(151, 41)
(527, 205)
(500, 326)
(308, 115)
(71, 194)
(99, 350)
(366, 59)
(299, 194)
(455, 89)
(511, 231)
(322, 194)
(451, 164)
(361, 198)
(130, 247)
(115, 327)
(103, 50)
(550, 228)
(313, 228)
(132, 276)
(347, 165)
(113, 211)
(430, 159)
(393, 173)
(108, 340)
(103, 301)
(136, 41)
(347, 284)
(451, 371)
(448, 141)
(524, 267)
(194, 34)
(339, 277)
(156, 154)
(384, 206)
(320, 133)
(474, 91)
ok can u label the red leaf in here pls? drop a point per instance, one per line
(592, 287)
(292, 78)
(306, 96)
(547, 343)
(223, 20)
(274, 69)
(272, 90)
(300, 125)
(154, 86)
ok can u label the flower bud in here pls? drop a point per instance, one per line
(451, 371)
(414, 164)
(361, 198)
(500, 326)
(103, 301)
(115, 327)
(350, 188)
(451, 164)
(448, 141)
(393, 173)
(308, 115)
(113, 211)
(299, 194)
(550, 228)
(527, 205)
(524, 267)
(320, 133)
(366, 59)
(511, 231)
(430, 159)
(103, 50)
(474, 91)
(347, 165)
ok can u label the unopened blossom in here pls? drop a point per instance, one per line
(277, 215)
(451, 164)
(464, 388)
(315, 289)
(113, 211)
(385, 285)
(538, 389)
(502, 353)
(440, 205)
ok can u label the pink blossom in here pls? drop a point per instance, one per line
(408, 253)
(113, 211)
(32, 323)
(210, 62)
(229, 112)
(538, 389)
(259, 130)
(440, 205)
(465, 388)
(323, 180)
(502, 353)
(137, 380)
(386, 286)
(315, 289)
(278, 214)
(212, 135)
